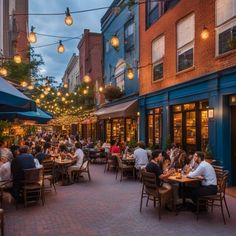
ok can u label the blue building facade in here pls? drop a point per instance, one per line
(215, 93)
(121, 20)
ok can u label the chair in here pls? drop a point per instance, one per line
(219, 198)
(83, 169)
(4, 185)
(111, 162)
(49, 172)
(151, 191)
(2, 221)
(124, 168)
(33, 186)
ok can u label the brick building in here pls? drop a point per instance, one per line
(187, 78)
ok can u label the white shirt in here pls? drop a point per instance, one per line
(207, 172)
(5, 171)
(37, 164)
(80, 157)
(141, 158)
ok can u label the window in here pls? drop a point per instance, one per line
(158, 51)
(226, 26)
(129, 36)
(185, 42)
(120, 74)
(152, 11)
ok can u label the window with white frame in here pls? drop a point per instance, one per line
(225, 26)
(120, 75)
(158, 52)
(185, 42)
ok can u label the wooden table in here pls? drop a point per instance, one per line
(62, 168)
(128, 161)
(182, 181)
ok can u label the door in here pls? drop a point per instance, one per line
(233, 142)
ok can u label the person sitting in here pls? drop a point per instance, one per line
(207, 173)
(106, 146)
(5, 170)
(154, 167)
(22, 162)
(115, 149)
(39, 154)
(4, 151)
(79, 157)
(140, 156)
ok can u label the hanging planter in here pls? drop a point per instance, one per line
(112, 92)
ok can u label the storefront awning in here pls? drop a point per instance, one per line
(126, 109)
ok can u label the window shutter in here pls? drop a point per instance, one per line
(158, 49)
(225, 9)
(185, 31)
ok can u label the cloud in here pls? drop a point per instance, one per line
(55, 64)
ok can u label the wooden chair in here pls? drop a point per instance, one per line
(218, 199)
(33, 186)
(111, 162)
(4, 185)
(49, 172)
(123, 168)
(2, 221)
(83, 169)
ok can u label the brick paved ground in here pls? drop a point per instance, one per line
(107, 207)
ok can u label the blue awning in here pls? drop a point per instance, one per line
(39, 116)
(12, 100)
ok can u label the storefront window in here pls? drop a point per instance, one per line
(150, 128)
(191, 128)
(204, 130)
(131, 129)
(178, 128)
(108, 130)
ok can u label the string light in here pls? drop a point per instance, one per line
(115, 42)
(65, 85)
(100, 89)
(58, 93)
(24, 84)
(68, 18)
(60, 48)
(3, 71)
(87, 79)
(31, 87)
(17, 59)
(32, 38)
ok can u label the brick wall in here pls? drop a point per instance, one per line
(205, 60)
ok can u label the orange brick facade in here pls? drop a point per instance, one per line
(205, 60)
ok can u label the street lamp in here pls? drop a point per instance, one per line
(68, 19)
(60, 48)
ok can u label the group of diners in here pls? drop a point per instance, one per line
(29, 155)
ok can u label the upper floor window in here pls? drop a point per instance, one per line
(120, 74)
(226, 26)
(153, 11)
(158, 51)
(129, 36)
(185, 42)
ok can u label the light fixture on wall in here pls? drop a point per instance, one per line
(60, 48)
(205, 33)
(130, 73)
(115, 42)
(68, 19)
(210, 112)
(32, 37)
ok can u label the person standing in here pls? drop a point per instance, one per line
(140, 156)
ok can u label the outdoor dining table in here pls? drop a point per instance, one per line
(128, 161)
(62, 166)
(183, 180)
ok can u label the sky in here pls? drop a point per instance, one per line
(55, 63)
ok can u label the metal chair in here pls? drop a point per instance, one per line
(123, 168)
(219, 198)
(83, 169)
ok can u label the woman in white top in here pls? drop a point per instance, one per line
(79, 157)
(5, 170)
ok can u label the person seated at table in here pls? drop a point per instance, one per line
(39, 154)
(22, 162)
(174, 152)
(140, 156)
(106, 146)
(79, 157)
(4, 151)
(154, 167)
(180, 161)
(207, 173)
(115, 149)
(5, 170)
(166, 161)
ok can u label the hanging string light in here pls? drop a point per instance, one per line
(87, 79)
(60, 48)
(31, 87)
(37, 100)
(100, 89)
(32, 37)
(68, 19)
(115, 42)
(65, 85)
(58, 93)
(24, 84)
(85, 91)
(3, 71)
(17, 59)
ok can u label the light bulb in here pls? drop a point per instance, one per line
(32, 38)
(130, 74)
(31, 87)
(24, 84)
(115, 42)
(17, 59)
(205, 33)
(3, 71)
(100, 89)
(68, 19)
(59, 94)
(60, 48)
(87, 79)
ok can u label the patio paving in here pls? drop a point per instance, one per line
(106, 206)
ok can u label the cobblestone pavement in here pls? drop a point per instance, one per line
(106, 206)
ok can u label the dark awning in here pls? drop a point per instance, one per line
(39, 116)
(12, 100)
(126, 109)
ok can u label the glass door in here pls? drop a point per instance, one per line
(177, 128)
(108, 130)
